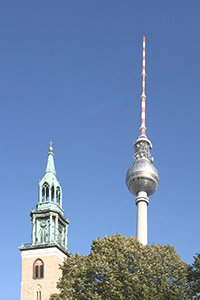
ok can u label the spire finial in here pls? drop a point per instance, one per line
(143, 96)
(50, 163)
(50, 146)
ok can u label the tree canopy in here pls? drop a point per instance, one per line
(194, 278)
(122, 268)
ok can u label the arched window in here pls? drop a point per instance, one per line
(52, 193)
(59, 238)
(43, 235)
(39, 295)
(38, 269)
(38, 292)
(58, 195)
(45, 192)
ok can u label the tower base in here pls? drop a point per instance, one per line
(40, 272)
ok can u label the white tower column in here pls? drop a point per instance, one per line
(142, 202)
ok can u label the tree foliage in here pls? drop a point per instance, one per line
(122, 268)
(194, 278)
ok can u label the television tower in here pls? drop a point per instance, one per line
(142, 177)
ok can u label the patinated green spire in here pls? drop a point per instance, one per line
(50, 163)
(49, 225)
(50, 191)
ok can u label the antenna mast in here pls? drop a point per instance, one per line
(143, 96)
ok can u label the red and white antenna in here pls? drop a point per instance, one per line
(143, 96)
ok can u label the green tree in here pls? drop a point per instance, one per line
(122, 268)
(194, 278)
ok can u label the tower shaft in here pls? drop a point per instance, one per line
(142, 202)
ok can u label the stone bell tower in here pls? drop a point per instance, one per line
(48, 248)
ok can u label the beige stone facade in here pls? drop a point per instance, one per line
(30, 287)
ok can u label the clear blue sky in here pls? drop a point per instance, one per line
(70, 71)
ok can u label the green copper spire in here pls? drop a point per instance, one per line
(50, 191)
(49, 226)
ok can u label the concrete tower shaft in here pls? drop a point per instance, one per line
(142, 177)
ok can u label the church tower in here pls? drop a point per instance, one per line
(48, 248)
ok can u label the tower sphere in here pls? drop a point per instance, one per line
(142, 176)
